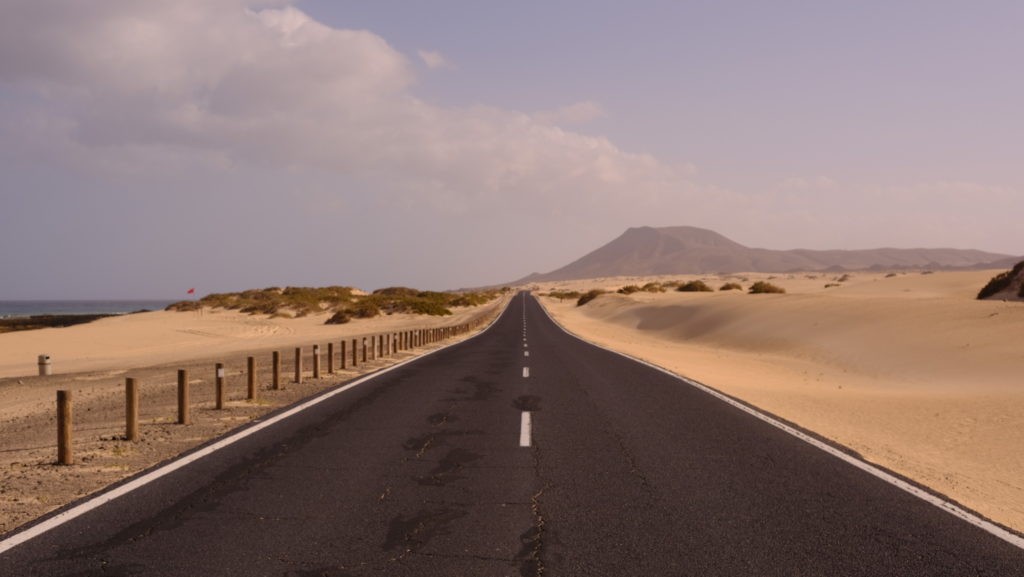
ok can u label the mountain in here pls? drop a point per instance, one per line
(646, 251)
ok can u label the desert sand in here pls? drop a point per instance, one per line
(908, 370)
(93, 360)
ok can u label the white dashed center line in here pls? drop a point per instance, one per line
(526, 371)
(524, 430)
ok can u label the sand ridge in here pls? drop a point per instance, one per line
(908, 370)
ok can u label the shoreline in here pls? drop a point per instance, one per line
(48, 321)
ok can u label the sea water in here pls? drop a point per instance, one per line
(10, 309)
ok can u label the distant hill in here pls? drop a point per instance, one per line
(646, 251)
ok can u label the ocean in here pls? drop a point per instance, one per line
(12, 309)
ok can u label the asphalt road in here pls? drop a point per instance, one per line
(421, 471)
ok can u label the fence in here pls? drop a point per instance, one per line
(375, 347)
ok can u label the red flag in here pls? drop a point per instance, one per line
(191, 291)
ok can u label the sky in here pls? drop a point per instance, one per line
(148, 147)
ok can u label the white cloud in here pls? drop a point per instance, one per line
(574, 114)
(270, 86)
(433, 59)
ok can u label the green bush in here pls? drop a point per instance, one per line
(695, 286)
(731, 286)
(1001, 282)
(762, 287)
(589, 296)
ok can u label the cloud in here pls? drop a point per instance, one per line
(241, 84)
(574, 114)
(433, 59)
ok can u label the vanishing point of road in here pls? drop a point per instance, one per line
(521, 451)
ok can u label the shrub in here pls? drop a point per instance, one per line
(695, 286)
(731, 286)
(562, 295)
(761, 287)
(338, 318)
(653, 287)
(629, 289)
(589, 296)
(397, 291)
(832, 284)
(365, 310)
(1002, 281)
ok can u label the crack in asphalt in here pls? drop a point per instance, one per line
(532, 565)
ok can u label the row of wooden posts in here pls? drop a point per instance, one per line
(374, 347)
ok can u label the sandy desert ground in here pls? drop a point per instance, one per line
(93, 361)
(909, 370)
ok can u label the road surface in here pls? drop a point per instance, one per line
(522, 451)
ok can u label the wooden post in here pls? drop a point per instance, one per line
(276, 362)
(342, 356)
(64, 454)
(252, 379)
(219, 380)
(316, 361)
(355, 348)
(298, 364)
(380, 346)
(131, 409)
(364, 349)
(330, 358)
(183, 409)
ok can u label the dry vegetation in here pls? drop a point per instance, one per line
(695, 286)
(762, 287)
(344, 302)
(1004, 281)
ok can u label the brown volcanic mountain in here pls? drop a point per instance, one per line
(647, 251)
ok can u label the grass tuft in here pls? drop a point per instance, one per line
(589, 296)
(762, 287)
(695, 286)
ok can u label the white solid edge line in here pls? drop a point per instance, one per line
(103, 498)
(525, 429)
(914, 490)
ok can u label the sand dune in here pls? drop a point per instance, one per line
(910, 370)
(151, 338)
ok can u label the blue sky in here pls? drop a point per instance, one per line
(148, 147)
